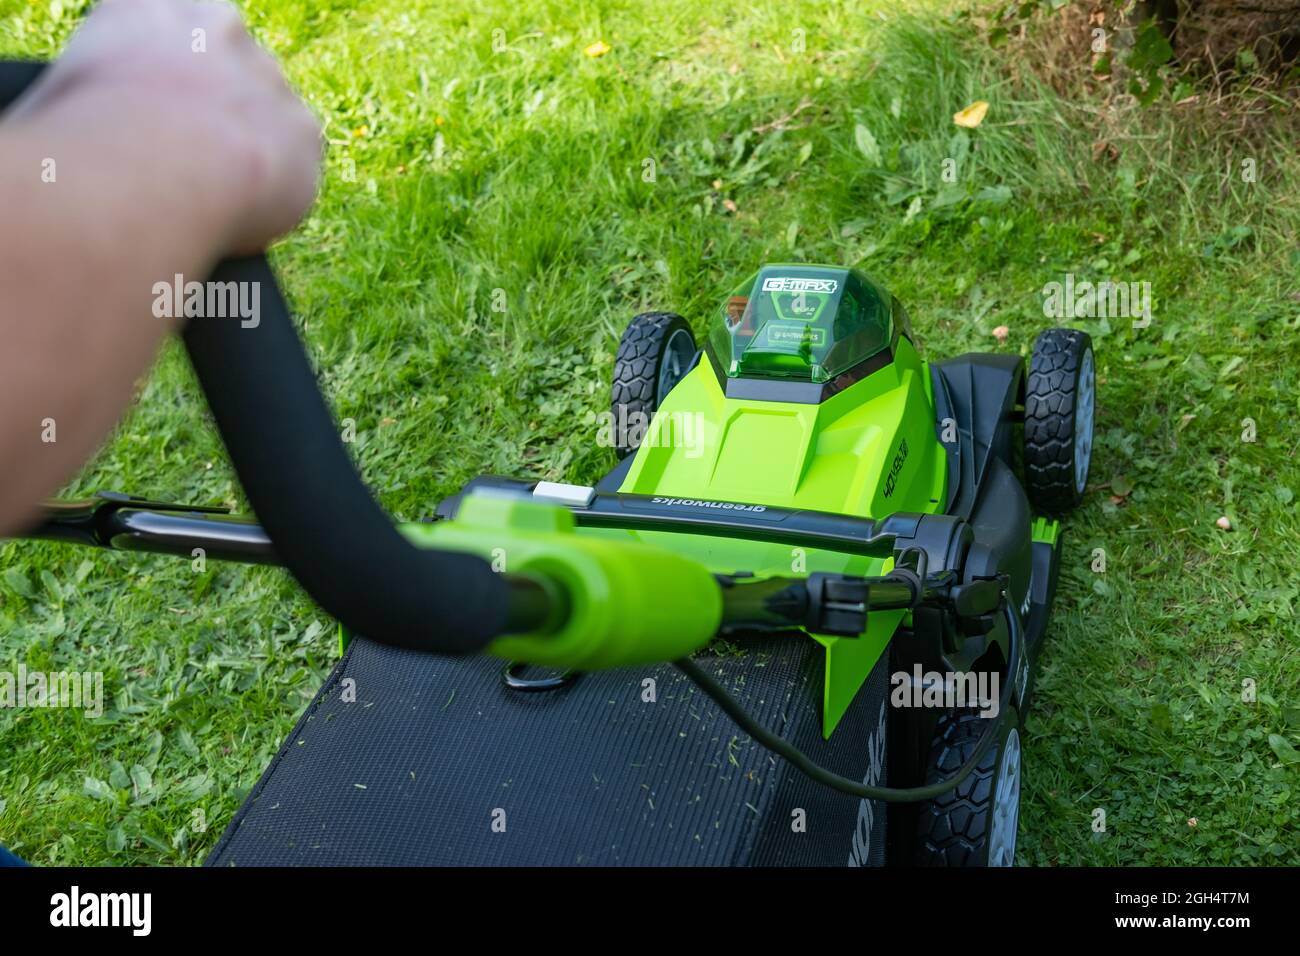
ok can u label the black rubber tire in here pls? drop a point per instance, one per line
(1051, 442)
(953, 828)
(637, 365)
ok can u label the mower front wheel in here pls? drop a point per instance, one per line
(655, 353)
(974, 824)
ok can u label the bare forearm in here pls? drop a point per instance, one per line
(92, 221)
(163, 139)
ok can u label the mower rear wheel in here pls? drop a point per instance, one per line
(655, 353)
(1060, 406)
(975, 823)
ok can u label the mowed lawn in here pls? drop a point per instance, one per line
(499, 201)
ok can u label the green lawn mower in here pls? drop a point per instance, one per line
(797, 624)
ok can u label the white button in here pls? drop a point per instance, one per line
(575, 496)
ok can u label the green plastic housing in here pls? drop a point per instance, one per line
(869, 449)
(836, 455)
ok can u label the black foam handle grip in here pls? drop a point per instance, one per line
(325, 526)
(292, 464)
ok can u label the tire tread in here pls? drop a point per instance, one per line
(1049, 419)
(636, 365)
(952, 827)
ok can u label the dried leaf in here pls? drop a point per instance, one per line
(971, 116)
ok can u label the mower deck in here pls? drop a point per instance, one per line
(437, 761)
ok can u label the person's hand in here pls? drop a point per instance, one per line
(185, 82)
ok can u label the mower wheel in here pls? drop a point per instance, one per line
(1060, 404)
(974, 824)
(655, 353)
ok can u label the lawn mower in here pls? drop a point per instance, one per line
(747, 644)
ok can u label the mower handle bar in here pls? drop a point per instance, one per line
(124, 523)
(820, 603)
(130, 523)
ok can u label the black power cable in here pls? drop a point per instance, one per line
(804, 764)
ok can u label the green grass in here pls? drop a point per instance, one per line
(521, 171)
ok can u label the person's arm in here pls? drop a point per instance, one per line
(149, 150)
